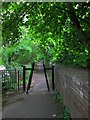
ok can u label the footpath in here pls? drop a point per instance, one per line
(37, 104)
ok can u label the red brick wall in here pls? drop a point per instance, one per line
(73, 84)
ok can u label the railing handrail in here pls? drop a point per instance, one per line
(11, 69)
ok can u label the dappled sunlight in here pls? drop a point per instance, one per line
(38, 38)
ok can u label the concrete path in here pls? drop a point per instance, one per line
(32, 106)
(37, 104)
(0, 105)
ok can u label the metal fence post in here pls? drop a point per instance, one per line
(30, 78)
(24, 84)
(53, 86)
(18, 80)
(46, 76)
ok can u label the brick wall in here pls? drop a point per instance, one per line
(73, 84)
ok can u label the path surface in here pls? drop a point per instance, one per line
(37, 104)
(0, 105)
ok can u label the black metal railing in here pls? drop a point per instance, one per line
(11, 80)
(31, 69)
(46, 76)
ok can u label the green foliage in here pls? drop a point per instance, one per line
(58, 99)
(45, 31)
(1, 56)
(66, 113)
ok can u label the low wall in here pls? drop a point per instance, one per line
(73, 84)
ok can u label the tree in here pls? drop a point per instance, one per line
(55, 29)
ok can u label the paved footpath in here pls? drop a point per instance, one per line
(0, 106)
(37, 104)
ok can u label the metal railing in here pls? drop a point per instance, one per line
(11, 80)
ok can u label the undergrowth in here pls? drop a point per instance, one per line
(58, 99)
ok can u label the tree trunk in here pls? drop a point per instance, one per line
(75, 22)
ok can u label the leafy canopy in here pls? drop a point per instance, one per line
(55, 32)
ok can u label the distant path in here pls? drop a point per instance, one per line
(37, 104)
(38, 80)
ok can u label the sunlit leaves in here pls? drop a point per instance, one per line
(34, 31)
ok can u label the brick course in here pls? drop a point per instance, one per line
(73, 83)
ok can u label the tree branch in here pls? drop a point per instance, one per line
(76, 24)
